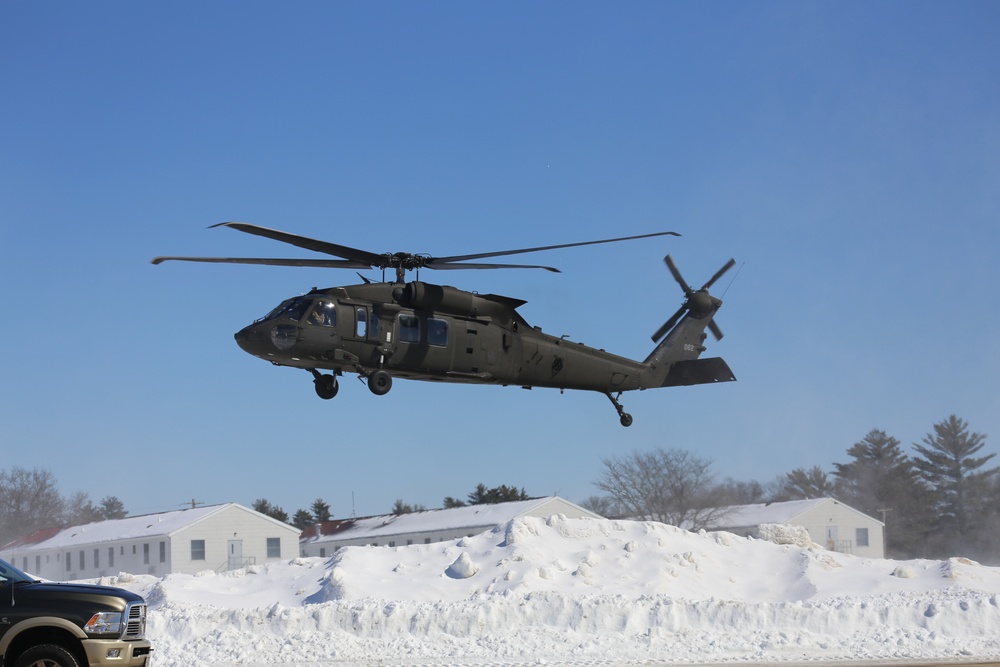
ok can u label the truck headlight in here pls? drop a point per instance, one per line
(104, 622)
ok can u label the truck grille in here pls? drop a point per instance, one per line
(135, 624)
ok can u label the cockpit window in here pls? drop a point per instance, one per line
(293, 309)
(324, 313)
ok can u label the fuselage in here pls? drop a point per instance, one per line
(429, 332)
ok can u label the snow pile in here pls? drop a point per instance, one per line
(575, 591)
(781, 533)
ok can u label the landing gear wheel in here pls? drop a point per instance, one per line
(624, 417)
(326, 386)
(380, 383)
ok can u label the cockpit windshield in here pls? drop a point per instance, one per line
(292, 309)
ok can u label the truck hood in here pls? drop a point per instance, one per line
(106, 596)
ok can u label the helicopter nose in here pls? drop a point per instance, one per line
(245, 339)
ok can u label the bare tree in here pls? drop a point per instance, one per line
(663, 485)
(29, 501)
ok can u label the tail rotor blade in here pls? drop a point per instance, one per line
(677, 275)
(716, 331)
(669, 324)
(718, 274)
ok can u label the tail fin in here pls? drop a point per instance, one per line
(674, 361)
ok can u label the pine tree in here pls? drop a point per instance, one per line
(264, 506)
(802, 484)
(883, 482)
(112, 508)
(302, 519)
(320, 511)
(960, 487)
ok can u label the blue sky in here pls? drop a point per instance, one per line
(846, 154)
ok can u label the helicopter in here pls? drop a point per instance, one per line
(416, 330)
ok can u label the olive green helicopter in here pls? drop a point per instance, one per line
(420, 331)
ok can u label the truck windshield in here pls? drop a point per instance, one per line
(10, 574)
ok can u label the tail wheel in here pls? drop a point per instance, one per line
(380, 382)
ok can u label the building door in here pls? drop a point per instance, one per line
(831, 538)
(235, 554)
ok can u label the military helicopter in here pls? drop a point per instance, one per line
(420, 331)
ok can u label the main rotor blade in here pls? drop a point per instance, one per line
(449, 266)
(668, 325)
(369, 259)
(316, 263)
(677, 276)
(718, 274)
(458, 258)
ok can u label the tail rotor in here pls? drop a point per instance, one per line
(698, 304)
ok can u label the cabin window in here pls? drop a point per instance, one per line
(437, 332)
(362, 323)
(861, 537)
(197, 549)
(373, 326)
(324, 314)
(409, 329)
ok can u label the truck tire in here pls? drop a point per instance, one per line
(47, 655)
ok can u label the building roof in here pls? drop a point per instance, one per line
(143, 526)
(470, 517)
(783, 512)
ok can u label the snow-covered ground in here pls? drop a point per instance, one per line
(561, 591)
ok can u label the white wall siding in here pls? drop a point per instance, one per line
(162, 544)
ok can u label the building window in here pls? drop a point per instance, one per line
(97, 558)
(163, 552)
(197, 549)
(145, 554)
(111, 556)
(322, 552)
(82, 566)
(69, 561)
(861, 537)
(274, 547)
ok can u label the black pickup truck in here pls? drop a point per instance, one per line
(48, 624)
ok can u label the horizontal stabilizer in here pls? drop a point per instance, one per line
(698, 371)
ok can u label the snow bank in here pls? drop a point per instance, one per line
(575, 591)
